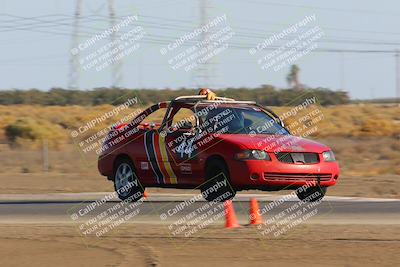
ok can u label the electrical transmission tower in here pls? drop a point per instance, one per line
(73, 81)
(204, 74)
(116, 75)
(74, 73)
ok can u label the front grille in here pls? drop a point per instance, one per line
(297, 157)
(277, 176)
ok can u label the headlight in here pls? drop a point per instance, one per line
(252, 154)
(328, 156)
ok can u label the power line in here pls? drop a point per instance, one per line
(176, 27)
(250, 36)
(103, 18)
(331, 9)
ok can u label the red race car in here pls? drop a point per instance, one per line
(219, 146)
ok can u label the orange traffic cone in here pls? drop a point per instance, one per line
(145, 195)
(230, 217)
(255, 217)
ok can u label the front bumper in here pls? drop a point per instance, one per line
(257, 174)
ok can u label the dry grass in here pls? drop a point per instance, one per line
(356, 120)
(55, 123)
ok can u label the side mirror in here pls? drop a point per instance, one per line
(196, 130)
(188, 134)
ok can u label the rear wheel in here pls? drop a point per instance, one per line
(217, 186)
(126, 183)
(311, 194)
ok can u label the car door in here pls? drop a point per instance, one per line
(146, 154)
(181, 146)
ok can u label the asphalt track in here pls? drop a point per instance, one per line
(169, 208)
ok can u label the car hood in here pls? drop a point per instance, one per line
(274, 143)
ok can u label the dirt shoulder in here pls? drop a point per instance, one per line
(147, 245)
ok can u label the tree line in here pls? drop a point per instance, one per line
(265, 95)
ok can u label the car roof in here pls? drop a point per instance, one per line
(202, 100)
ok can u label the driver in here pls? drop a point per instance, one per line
(236, 125)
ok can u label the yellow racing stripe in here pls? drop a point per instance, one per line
(164, 156)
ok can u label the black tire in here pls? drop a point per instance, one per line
(217, 176)
(126, 182)
(311, 194)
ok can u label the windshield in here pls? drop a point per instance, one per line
(239, 120)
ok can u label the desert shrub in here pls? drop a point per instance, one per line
(33, 130)
(22, 128)
(25, 170)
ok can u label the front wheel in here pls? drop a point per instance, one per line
(217, 187)
(311, 194)
(126, 183)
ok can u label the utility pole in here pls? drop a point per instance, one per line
(342, 73)
(45, 155)
(398, 77)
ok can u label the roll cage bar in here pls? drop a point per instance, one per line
(196, 100)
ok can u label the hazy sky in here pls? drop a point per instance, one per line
(35, 43)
